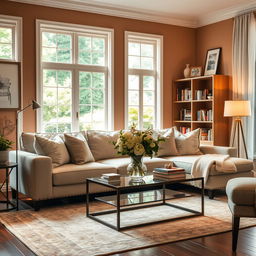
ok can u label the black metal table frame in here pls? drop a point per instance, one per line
(152, 204)
(8, 169)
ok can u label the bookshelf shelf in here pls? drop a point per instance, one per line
(190, 100)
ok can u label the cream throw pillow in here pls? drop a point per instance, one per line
(188, 144)
(78, 148)
(168, 147)
(54, 148)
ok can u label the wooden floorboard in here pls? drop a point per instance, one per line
(214, 245)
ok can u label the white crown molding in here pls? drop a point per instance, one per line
(118, 11)
(225, 14)
(105, 9)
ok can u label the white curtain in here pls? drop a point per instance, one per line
(243, 71)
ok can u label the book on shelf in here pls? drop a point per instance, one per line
(206, 134)
(111, 176)
(184, 129)
(183, 94)
(185, 115)
(202, 94)
(204, 115)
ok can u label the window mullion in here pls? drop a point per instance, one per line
(140, 101)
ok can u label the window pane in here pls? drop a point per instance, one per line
(64, 105)
(133, 82)
(148, 82)
(49, 39)
(64, 56)
(133, 115)
(98, 58)
(64, 127)
(85, 79)
(97, 97)
(98, 80)
(51, 128)
(50, 78)
(50, 113)
(85, 58)
(50, 96)
(148, 98)
(133, 62)
(147, 50)
(49, 54)
(85, 96)
(134, 49)
(64, 78)
(63, 41)
(5, 51)
(84, 43)
(98, 44)
(133, 98)
(146, 63)
(148, 117)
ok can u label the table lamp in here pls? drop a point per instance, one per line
(238, 109)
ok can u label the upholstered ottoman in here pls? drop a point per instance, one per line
(241, 194)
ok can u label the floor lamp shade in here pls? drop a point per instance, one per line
(237, 108)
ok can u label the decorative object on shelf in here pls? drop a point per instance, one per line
(195, 71)
(34, 105)
(9, 85)
(186, 71)
(137, 144)
(5, 144)
(238, 109)
(212, 60)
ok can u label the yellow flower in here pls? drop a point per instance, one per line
(152, 145)
(139, 149)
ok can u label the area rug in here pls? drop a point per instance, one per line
(65, 230)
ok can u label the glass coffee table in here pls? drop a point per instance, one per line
(133, 196)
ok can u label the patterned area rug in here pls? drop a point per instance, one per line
(67, 231)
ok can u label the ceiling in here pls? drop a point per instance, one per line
(189, 13)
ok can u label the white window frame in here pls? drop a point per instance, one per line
(157, 72)
(74, 67)
(15, 23)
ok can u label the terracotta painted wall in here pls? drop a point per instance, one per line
(179, 48)
(212, 36)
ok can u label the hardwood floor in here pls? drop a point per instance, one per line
(215, 245)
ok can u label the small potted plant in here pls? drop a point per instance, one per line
(5, 144)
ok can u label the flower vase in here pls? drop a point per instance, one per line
(137, 169)
(187, 71)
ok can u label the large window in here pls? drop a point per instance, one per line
(143, 80)
(10, 30)
(74, 77)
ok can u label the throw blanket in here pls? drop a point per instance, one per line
(204, 163)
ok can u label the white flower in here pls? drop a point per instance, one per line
(152, 145)
(127, 135)
(139, 149)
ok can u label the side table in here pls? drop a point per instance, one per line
(9, 167)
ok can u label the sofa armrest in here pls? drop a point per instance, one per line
(231, 151)
(35, 175)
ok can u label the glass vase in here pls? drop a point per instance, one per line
(136, 169)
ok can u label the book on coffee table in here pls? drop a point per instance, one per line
(111, 176)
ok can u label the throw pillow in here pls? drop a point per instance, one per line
(168, 147)
(27, 142)
(188, 144)
(100, 143)
(54, 148)
(78, 149)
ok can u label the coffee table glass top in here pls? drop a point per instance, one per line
(125, 181)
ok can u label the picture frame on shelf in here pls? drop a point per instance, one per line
(10, 82)
(212, 61)
(195, 71)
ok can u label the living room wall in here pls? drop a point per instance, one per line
(179, 48)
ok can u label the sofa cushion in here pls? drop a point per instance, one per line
(100, 143)
(78, 149)
(186, 162)
(54, 148)
(167, 147)
(188, 144)
(242, 191)
(69, 174)
(121, 163)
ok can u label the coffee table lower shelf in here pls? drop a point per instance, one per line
(129, 202)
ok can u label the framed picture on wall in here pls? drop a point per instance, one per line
(212, 59)
(9, 85)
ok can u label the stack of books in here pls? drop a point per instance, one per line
(185, 114)
(183, 95)
(169, 174)
(111, 177)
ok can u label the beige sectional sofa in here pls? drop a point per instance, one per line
(39, 180)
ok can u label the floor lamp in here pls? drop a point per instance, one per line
(34, 105)
(238, 109)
